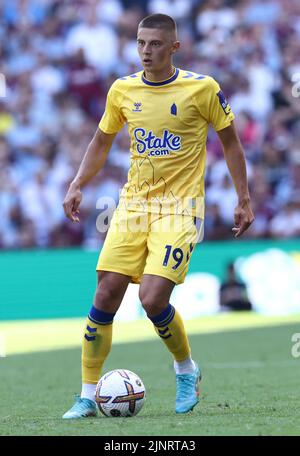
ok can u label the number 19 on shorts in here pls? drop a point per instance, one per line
(174, 257)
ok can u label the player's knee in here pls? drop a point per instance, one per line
(152, 304)
(106, 298)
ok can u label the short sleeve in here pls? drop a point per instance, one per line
(220, 114)
(112, 120)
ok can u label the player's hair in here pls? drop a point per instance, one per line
(160, 21)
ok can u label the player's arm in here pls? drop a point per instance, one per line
(91, 164)
(235, 159)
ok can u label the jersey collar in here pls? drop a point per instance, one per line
(161, 83)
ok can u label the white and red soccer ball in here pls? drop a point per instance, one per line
(120, 393)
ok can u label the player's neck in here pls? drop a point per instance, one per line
(162, 75)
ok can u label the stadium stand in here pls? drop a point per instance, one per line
(59, 59)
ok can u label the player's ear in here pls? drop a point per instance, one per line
(175, 47)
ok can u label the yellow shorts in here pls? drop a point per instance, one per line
(140, 243)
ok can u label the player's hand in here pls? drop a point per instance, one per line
(71, 203)
(243, 217)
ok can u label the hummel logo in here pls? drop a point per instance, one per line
(137, 107)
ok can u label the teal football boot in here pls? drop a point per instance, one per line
(82, 408)
(187, 391)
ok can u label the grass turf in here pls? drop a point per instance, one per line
(250, 387)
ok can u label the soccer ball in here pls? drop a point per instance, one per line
(120, 393)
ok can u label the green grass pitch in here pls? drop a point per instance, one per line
(250, 387)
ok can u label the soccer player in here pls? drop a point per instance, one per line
(168, 111)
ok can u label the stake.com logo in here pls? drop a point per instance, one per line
(156, 146)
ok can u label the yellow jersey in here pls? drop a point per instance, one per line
(168, 123)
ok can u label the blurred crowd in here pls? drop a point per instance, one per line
(59, 58)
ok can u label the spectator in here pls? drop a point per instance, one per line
(83, 83)
(98, 41)
(286, 224)
(233, 293)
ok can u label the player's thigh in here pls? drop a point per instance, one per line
(125, 247)
(170, 244)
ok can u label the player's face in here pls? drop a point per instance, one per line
(156, 47)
